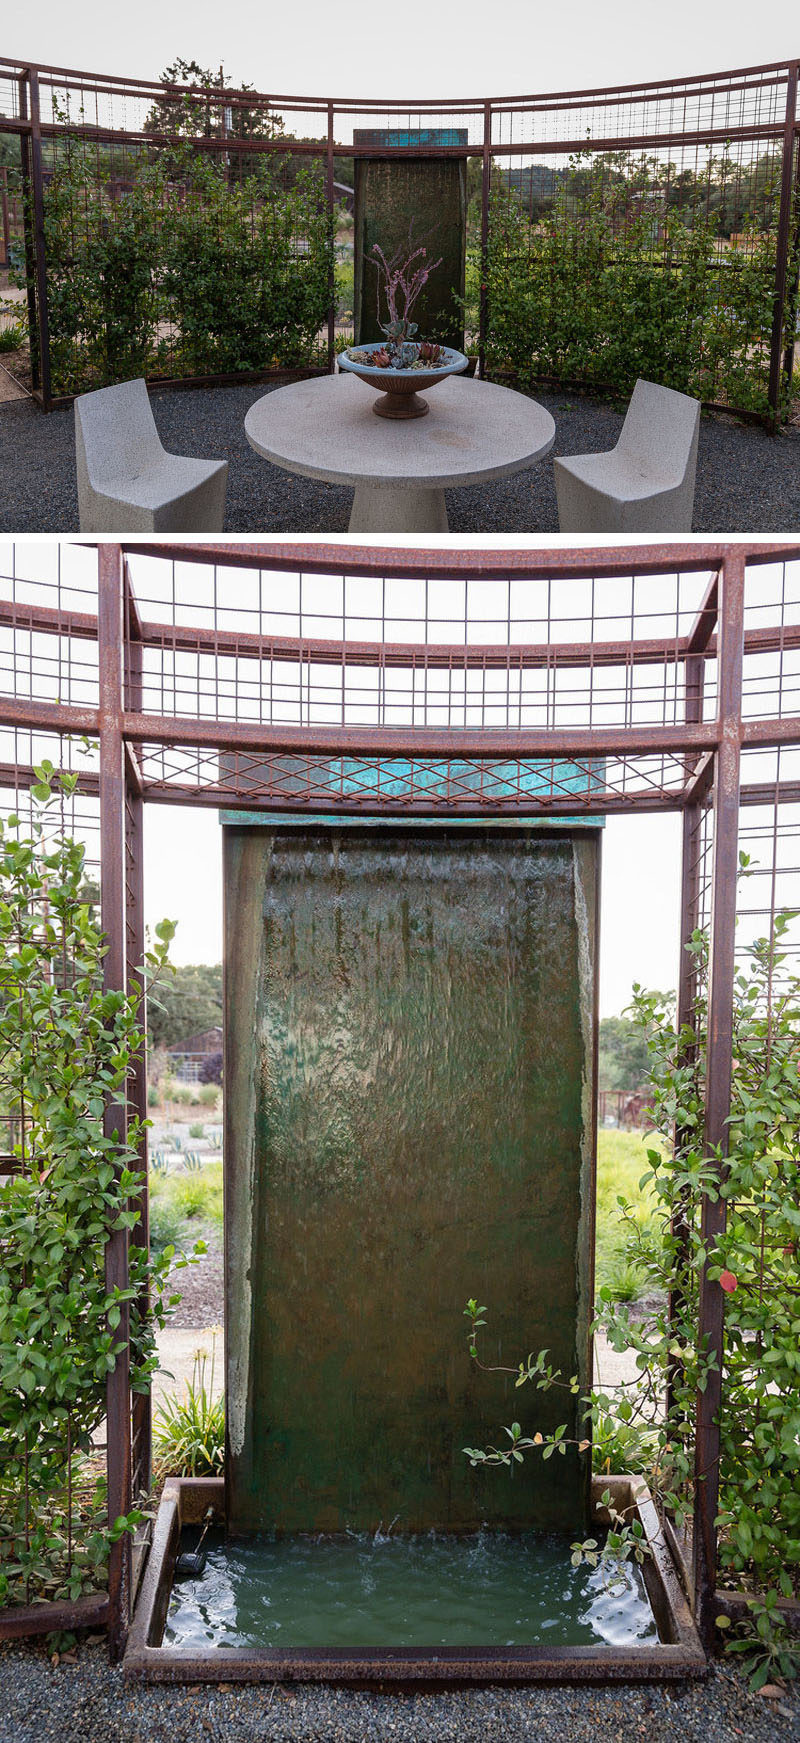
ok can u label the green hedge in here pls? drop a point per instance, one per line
(187, 273)
(601, 290)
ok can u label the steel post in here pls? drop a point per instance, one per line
(39, 242)
(782, 252)
(332, 274)
(141, 1404)
(486, 181)
(719, 1049)
(110, 643)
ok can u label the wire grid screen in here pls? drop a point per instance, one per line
(666, 194)
(141, 221)
(52, 1475)
(372, 653)
(668, 198)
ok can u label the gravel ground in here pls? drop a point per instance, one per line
(201, 1286)
(87, 1702)
(747, 481)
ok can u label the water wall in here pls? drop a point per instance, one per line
(409, 1088)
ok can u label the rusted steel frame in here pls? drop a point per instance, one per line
(705, 623)
(486, 188)
(599, 804)
(39, 242)
(782, 250)
(758, 793)
(643, 141)
(768, 793)
(396, 560)
(718, 82)
(380, 741)
(111, 641)
(317, 147)
(4, 212)
(687, 979)
(719, 1071)
(141, 1403)
(500, 656)
(329, 195)
(49, 716)
(232, 378)
(90, 1611)
(793, 276)
(694, 87)
(603, 804)
(771, 732)
(27, 221)
(49, 620)
(23, 775)
(701, 782)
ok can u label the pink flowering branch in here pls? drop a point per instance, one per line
(401, 286)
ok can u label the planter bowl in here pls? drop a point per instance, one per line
(400, 388)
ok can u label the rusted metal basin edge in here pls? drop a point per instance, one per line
(185, 1500)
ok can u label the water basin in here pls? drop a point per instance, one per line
(491, 1588)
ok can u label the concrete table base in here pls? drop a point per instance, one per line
(380, 509)
(325, 428)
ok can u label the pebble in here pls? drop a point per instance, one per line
(747, 480)
(89, 1702)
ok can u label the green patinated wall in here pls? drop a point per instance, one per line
(388, 197)
(409, 1083)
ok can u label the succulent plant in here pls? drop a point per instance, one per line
(402, 277)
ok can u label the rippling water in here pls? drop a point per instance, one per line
(489, 1589)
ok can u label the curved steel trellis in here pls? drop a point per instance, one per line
(715, 154)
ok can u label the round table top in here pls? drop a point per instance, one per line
(326, 428)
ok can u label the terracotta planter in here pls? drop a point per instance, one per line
(400, 388)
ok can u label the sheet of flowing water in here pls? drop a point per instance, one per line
(487, 1589)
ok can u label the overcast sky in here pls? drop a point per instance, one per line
(514, 48)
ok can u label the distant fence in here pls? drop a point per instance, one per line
(623, 1107)
(648, 229)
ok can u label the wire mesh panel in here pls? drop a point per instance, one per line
(191, 229)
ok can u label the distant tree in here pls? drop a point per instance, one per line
(210, 1070)
(622, 1059)
(201, 111)
(189, 1002)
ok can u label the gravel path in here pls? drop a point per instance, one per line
(87, 1702)
(747, 481)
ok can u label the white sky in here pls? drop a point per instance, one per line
(516, 48)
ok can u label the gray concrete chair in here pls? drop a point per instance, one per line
(646, 483)
(127, 482)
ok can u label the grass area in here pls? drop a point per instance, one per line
(621, 1162)
(182, 1205)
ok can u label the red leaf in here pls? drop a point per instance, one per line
(728, 1281)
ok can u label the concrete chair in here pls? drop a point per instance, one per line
(646, 483)
(128, 483)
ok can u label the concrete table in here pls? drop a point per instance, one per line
(326, 428)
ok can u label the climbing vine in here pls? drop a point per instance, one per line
(66, 1050)
(756, 1264)
(185, 269)
(617, 283)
